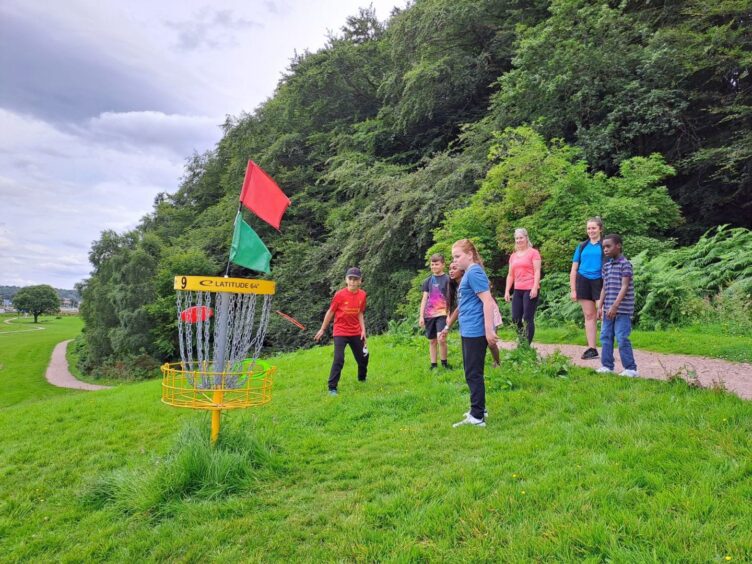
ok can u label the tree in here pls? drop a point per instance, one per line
(547, 189)
(37, 300)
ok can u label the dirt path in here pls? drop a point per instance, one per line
(736, 377)
(59, 375)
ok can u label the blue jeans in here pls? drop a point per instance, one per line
(621, 327)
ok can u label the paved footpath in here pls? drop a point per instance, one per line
(58, 374)
(736, 377)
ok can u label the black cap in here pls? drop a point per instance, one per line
(354, 271)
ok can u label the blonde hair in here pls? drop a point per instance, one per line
(467, 246)
(523, 231)
(597, 220)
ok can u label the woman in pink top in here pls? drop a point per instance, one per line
(524, 273)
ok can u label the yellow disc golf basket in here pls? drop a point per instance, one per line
(221, 328)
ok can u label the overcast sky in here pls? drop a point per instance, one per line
(102, 102)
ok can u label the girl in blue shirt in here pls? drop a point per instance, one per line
(476, 327)
(585, 280)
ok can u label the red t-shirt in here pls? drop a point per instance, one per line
(346, 306)
(521, 269)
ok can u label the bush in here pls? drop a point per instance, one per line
(131, 367)
(555, 304)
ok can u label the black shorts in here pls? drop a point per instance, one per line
(434, 325)
(587, 289)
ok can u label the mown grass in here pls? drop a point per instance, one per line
(698, 340)
(25, 351)
(570, 468)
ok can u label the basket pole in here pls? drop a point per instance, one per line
(219, 362)
(216, 414)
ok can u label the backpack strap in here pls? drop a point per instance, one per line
(585, 244)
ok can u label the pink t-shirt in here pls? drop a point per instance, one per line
(521, 269)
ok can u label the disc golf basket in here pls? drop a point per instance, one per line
(221, 328)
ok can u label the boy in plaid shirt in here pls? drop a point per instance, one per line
(616, 308)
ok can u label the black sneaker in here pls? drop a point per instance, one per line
(590, 354)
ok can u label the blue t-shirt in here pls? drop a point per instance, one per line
(470, 305)
(591, 260)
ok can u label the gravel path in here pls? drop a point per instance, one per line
(736, 377)
(59, 375)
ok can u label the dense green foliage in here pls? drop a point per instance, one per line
(573, 466)
(37, 300)
(548, 190)
(396, 129)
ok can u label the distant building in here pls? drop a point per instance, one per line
(68, 305)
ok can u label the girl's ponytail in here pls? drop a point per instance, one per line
(467, 246)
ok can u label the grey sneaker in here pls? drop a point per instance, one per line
(470, 420)
(629, 373)
(604, 370)
(332, 392)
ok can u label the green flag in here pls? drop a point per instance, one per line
(247, 248)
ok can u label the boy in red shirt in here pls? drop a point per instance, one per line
(348, 308)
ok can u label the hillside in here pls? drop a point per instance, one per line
(572, 466)
(462, 118)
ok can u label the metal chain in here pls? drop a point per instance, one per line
(262, 326)
(198, 341)
(183, 358)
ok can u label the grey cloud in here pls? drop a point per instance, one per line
(211, 29)
(45, 73)
(279, 8)
(111, 168)
(146, 130)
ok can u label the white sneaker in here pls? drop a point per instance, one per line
(629, 373)
(470, 420)
(604, 370)
(485, 413)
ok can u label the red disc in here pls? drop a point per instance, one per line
(196, 313)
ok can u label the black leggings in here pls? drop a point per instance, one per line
(523, 313)
(473, 359)
(356, 346)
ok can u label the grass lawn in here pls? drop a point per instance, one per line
(25, 351)
(580, 467)
(695, 340)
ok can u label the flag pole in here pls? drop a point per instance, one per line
(227, 270)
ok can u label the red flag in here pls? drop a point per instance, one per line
(262, 196)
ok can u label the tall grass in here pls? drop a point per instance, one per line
(193, 469)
